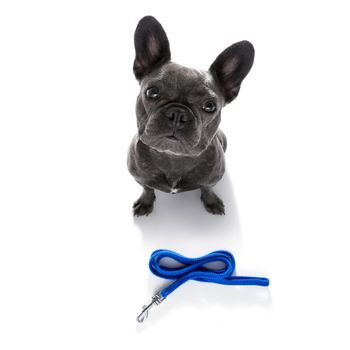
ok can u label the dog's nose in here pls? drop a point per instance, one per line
(178, 116)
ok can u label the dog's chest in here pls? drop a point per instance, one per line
(174, 182)
(175, 173)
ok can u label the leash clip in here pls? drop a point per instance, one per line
(156, 300)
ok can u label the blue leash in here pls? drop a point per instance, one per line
(195, 269)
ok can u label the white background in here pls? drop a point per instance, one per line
(73, 260)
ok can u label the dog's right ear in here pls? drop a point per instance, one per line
(151, 46)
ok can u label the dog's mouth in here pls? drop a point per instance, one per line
(172, 138)
(172, 144)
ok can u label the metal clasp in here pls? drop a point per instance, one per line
(156, 300)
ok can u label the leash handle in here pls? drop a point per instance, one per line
(195, 269)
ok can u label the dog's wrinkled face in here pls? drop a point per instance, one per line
(178, 108)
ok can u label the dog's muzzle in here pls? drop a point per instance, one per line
(178, 116)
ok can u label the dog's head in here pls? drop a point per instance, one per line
(178, 108)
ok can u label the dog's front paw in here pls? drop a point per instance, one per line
(213, 204)
(144, 205)
(141, 208)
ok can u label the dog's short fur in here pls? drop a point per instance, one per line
(178, 146)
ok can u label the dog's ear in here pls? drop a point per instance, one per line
(231, 67)
(151, 46)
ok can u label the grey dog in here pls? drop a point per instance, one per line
(179, 146)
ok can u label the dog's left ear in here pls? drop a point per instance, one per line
(151, 46)
(231, 67)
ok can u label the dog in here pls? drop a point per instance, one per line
(179, 146)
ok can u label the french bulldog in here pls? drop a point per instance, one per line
(179, 146)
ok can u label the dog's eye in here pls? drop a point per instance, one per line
(209, 107)
(152, 92)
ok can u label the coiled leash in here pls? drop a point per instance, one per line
(195, 269)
